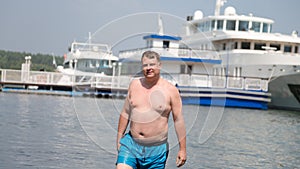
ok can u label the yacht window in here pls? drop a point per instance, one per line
(182, 69)
(220, 25)
(256, 26)
(93, 63)
(204, 27)
(230, 25)
(245, 45)
(67, 65)
(212, 25)
(101, 64)
(218, 47)
(106, 63)
(224, 46)
(265, 27)
(189, 69)
(258, 46)
(166, 44)
(149, 43)
(287, 48)
(277, 46)
(235, 45)
(73, 64)
(207, 26)
(243, 25)
(201, 27)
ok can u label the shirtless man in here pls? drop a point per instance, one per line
(147, 107)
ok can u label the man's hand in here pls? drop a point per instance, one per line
(181, 158)
(118, 146)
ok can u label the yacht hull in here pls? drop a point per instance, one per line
(225, 97)
(285, 92)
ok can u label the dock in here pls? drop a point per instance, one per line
(195, 89)
(54, 83)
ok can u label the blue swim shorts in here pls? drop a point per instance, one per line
(142, 156)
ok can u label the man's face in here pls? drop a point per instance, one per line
(151, 67)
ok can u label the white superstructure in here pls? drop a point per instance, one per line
(193, 72)
(247, 47)
(89, 64)
(89, 58)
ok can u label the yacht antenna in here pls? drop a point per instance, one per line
(54, 61)
(90, 38)
(219, 4)
(160, 25)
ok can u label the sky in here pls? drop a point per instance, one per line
(50, 26)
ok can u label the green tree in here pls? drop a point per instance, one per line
(14, 60)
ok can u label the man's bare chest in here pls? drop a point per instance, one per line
(155, 100)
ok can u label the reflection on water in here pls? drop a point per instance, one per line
(63, 132)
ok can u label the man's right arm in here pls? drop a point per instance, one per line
(123, 122)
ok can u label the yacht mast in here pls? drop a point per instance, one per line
(90, 38)
(160, 25)
(219, 4)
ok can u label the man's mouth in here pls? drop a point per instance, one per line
(149, 72)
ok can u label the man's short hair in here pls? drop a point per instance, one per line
(151, 55)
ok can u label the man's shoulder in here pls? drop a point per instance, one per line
(169, 85)
(135, 81)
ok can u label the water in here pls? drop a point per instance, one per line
(39, 131)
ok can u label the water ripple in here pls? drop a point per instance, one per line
(45, 132)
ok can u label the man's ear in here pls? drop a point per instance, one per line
(159, 64)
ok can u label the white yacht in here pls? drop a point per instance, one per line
(248, 48)
(88, 66)
(192, 71)
(89, 58)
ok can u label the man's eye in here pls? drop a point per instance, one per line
(150, 65)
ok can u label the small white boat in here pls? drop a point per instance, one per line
(89, 58)
(89, 67)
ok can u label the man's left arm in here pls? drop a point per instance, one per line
(178, 118)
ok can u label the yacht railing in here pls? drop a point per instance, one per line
(173, 52)
(54, 78)
(210, 81)
(34, 77)
(122, 82)
(76, 46)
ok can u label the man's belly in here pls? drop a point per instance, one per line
(149, 134)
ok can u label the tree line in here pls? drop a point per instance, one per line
(14, 60)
